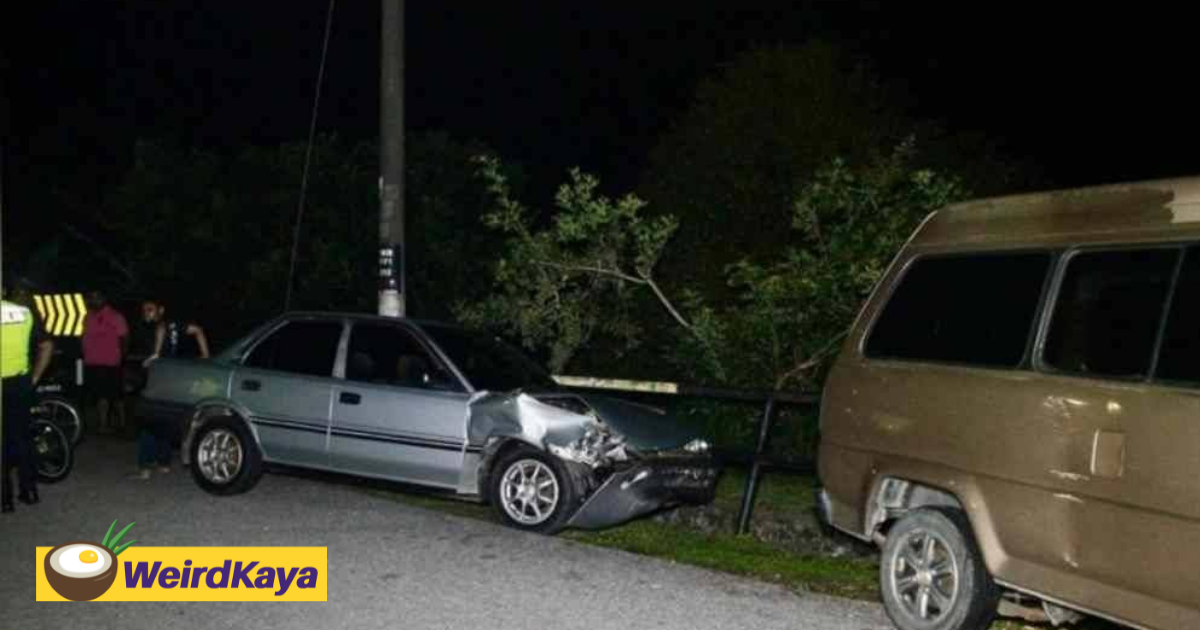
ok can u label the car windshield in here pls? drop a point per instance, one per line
(487, 362)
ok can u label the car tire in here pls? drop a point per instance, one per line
(224, 457)
(532, 491)
(932, 575)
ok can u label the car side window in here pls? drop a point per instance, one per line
(299, 347)
(1109, 311)
(1179, 356)
(974, 310)
(386, 354)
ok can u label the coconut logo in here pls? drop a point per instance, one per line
(82, 571)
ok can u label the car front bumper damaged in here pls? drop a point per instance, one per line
(645, 486)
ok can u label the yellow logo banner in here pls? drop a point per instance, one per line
(83, 571)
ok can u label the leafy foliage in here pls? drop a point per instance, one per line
(790, 314)
(756, 132)
(561, 285)
(199, 224)
(734, 161)
(212, 232)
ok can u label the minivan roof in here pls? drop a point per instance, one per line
(1145, 211)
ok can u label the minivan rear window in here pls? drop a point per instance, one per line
(1109, 312)
(976, 310)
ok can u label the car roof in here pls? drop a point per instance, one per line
(1142, 211)
(420, 323)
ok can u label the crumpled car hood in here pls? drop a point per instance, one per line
(534, 416)
(643, 427)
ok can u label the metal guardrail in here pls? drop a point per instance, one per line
(758, 461)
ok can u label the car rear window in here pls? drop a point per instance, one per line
(976, 310)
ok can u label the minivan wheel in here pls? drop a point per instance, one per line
(932, 575)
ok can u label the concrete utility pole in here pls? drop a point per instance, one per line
(391, 160)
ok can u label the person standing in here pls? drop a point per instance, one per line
(22, 338)
(172, 338)
(105, 343)
(141, 345)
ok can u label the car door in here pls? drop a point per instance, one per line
(399, 413)
(1132, 497)
(286, 384)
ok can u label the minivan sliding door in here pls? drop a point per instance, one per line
(1124, 339)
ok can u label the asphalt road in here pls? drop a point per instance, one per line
(391, 565)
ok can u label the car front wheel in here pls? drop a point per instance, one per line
(224, 458)
(932, 575)
(532, 491)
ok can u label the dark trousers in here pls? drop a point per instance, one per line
(154, 442)
(19, 453)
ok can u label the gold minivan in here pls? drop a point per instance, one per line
(1015, 415)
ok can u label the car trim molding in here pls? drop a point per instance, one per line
(434, 443)
(359, 434)
(289, 424)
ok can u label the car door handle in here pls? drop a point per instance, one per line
(251, 385)
(350, 398)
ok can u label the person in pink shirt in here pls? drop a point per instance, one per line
(105, 342)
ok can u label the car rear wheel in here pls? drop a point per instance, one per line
(224, 458)
(932, 575)
(532, 491)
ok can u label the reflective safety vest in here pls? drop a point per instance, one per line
(16, 326)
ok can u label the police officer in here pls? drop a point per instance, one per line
(21, 338)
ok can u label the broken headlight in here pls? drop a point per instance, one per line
(597, 447)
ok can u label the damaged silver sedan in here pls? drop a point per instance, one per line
(429, 404)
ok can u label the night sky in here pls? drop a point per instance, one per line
(1090, 97)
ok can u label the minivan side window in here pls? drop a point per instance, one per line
(1109, 312)
(1179, 356)
(976, 310)
(299, 347)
